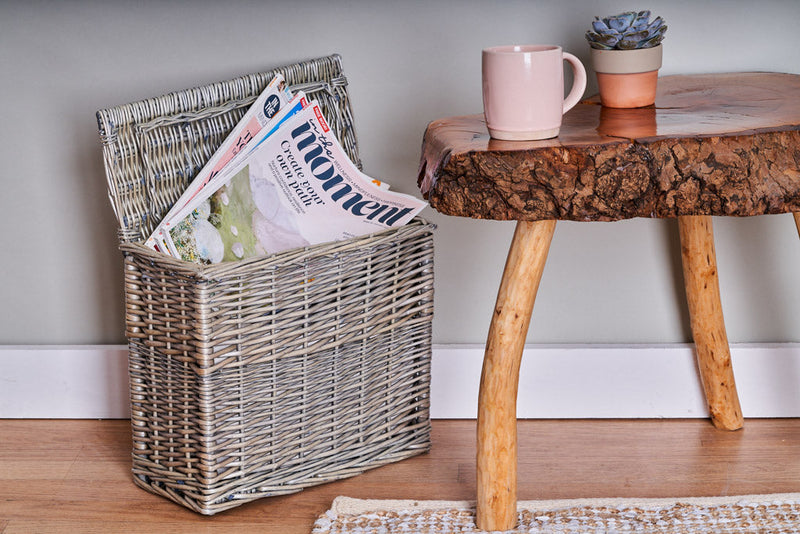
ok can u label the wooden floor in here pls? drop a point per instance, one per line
(74, 476)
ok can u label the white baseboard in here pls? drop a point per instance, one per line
(556, 381)
(64, 382)
(632, 381)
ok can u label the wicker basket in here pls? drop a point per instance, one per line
(262, 377)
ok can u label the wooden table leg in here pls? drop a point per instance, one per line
(797, 221)
(708, 325)
(497, 400)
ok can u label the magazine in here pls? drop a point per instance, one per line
(297, 103)
(296, 187)
(267, 106)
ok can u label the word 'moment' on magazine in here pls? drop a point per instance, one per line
(292, 186)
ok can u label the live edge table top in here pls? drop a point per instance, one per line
(713, 144)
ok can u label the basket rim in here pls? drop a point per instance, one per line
(217, 270)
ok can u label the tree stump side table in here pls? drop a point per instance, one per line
(712, 145)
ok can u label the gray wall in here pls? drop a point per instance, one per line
(408, 63)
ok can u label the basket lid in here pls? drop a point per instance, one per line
(153, 148)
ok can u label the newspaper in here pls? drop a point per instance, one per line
(266, 110)
(296, 187)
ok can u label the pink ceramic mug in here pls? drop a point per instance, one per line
(523, 90)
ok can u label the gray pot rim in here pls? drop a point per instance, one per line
(627, 61)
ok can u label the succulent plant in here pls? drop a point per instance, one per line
(626, 31)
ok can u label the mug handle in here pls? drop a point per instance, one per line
(578, 82)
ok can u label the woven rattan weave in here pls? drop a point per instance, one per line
(262, 377)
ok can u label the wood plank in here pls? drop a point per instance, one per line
(40, 469)
(557, 459)
(145, 526)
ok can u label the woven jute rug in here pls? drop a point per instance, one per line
(772, 514)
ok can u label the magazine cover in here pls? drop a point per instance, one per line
(268, 104)
(296, 188)
(297, 103)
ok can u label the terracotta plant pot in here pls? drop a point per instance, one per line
(627, 78)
